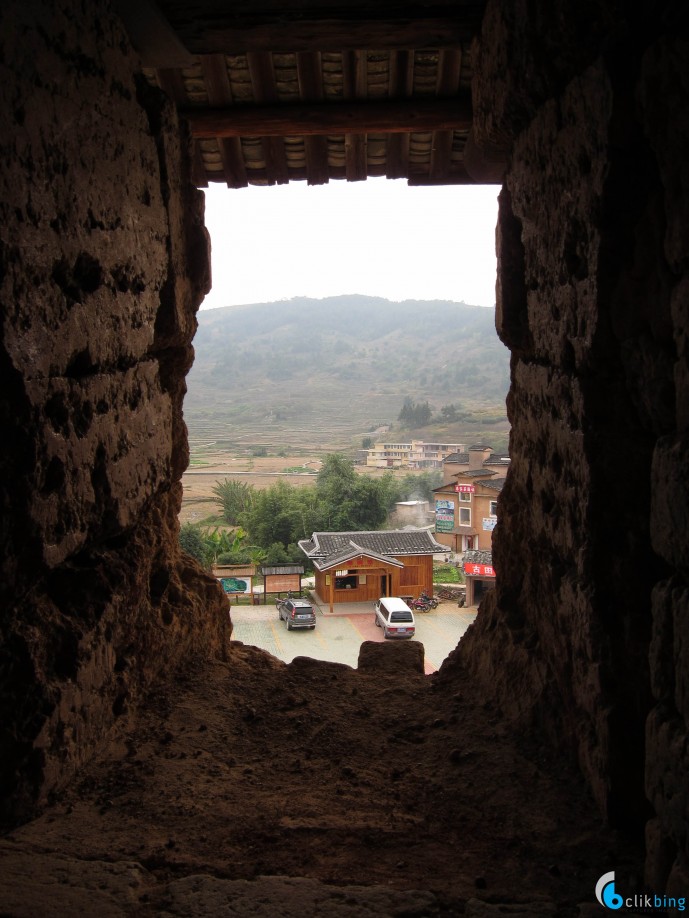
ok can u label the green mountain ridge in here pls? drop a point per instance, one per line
(339, 367)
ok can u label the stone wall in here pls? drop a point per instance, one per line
(592, 301)
(103, 262)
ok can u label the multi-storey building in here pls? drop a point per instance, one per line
(415, 454)
(466, 513)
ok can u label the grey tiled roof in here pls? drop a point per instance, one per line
(324, 546)
(475, 473)
(352, 548)
(475, 556)
(457, 458)
(497, 460)
(496, 484)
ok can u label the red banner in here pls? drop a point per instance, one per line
(478, 570)
(465, 489)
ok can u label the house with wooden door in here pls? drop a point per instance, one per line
(363, 566)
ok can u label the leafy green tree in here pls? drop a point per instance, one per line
(235, 497)
(276, 554)
(192, 541)
(274, 515)
(449, 413)
(367, 442)
(349, 501)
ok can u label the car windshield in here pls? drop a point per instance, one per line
(306, 610)
(401, 616)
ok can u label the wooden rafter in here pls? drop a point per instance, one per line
(220, 94)
(320, 119)
(310, 76)
(401, 84)
(265, 92)
(355, 86)
(217, 26)
(447, 86)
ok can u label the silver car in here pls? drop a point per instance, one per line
(296, 613)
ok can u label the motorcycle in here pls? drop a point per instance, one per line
(419, 605)
(431, 600)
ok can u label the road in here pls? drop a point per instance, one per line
(337, 637)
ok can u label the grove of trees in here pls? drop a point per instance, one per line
(271, 521)
(419, 414)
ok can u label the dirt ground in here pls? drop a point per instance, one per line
(253, 787)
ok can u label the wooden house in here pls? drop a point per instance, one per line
(363, 566)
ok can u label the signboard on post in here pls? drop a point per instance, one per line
(478, 570)
(444, 515)
(236, 584)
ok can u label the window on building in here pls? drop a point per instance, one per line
(465, 516)
(345, 583)
(494, 508)
(465, 497)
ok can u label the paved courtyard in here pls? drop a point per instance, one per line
(338, 636)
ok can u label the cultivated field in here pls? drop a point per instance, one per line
(210, 464)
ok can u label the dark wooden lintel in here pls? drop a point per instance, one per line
(235, 28)
(309, 119)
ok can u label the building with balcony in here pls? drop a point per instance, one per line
(415, 454)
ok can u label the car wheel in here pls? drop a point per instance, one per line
(289, 624)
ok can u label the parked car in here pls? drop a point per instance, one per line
(395, 617)
(296, 613)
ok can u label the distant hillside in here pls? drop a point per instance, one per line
(326, 372)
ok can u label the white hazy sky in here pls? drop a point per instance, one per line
(378, 238)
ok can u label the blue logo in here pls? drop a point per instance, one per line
(605, 892)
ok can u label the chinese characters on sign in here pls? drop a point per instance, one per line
(444, 515)
(465, 489)
(479, 570)
(489, 523)
(363, 561)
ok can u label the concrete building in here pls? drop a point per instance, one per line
(411, 455)
(466, 510)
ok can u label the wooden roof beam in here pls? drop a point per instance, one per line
(310, 75)
(319, 119)
(213, 26)
(220, 93)
(355, 82)
(265, 92)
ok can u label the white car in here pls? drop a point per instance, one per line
(395, 617)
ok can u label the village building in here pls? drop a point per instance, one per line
(479, 456)
(363, 566)
(415, 513)
(413, 455)
(479, 574)
(466, 510)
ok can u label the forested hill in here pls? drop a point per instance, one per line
(344, 363)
